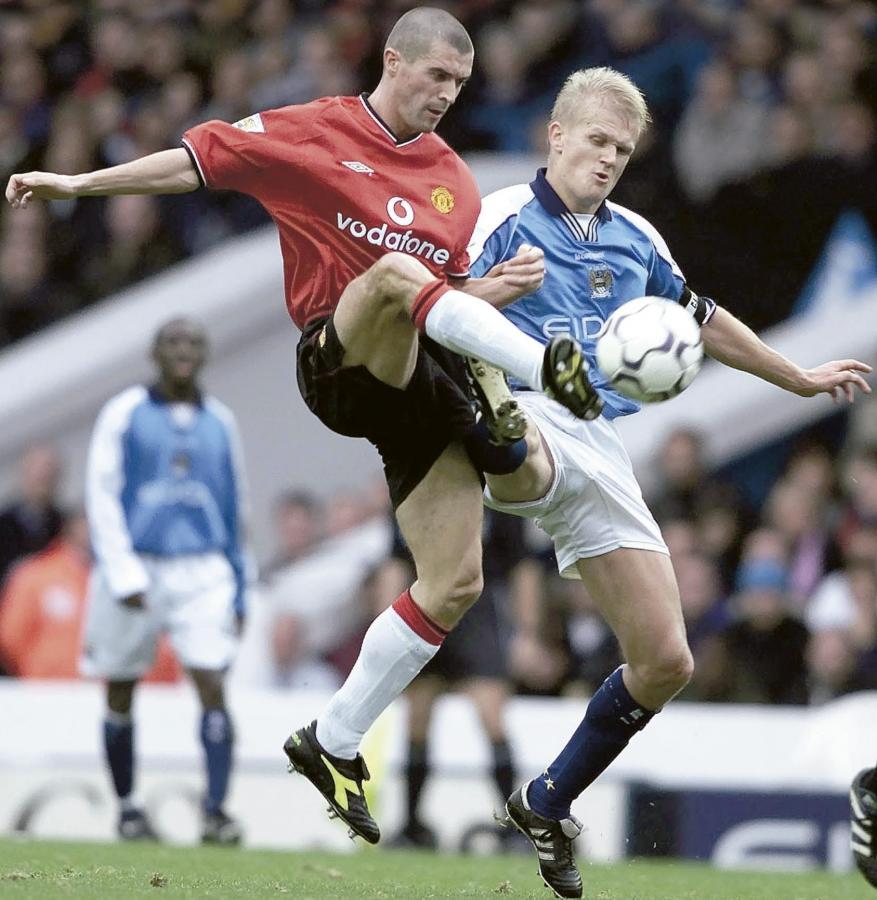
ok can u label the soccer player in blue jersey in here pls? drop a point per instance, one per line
(577, 480)
(165, 495)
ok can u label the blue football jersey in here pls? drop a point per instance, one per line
(593, 264)
(165, 479)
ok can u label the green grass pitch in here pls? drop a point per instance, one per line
(38, 870)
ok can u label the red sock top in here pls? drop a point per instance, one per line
(417, 620)
(425, 300)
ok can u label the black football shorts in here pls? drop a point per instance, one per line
(410, 428)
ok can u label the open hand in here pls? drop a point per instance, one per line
(24, 187)
(840, 378)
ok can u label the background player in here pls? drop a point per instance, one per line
(165, 492)
(578, 478)
(374, 213)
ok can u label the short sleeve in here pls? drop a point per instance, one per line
(229, 157)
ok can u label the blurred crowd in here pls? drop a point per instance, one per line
(764, 122)
(779, 596)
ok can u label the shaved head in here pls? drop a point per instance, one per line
(191, 328)
(415, 33)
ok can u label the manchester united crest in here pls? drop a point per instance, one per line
(442, 199)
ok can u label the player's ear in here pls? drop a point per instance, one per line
(555, 136)
(392, 58)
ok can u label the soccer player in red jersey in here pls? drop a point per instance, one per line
(374, 213)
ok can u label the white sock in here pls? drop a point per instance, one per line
(472, 327)
(391, 655)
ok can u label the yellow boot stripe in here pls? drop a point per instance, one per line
(342, 784)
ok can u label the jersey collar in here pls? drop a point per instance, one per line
(157, 395)
(363, 99)
(582, 228)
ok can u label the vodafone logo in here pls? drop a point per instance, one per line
(400, 211)
(403, 241)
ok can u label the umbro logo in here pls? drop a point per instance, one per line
(355, 166)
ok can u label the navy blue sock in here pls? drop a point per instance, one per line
(612, 718)
(119, 748)
(492, 458)
(217, 737)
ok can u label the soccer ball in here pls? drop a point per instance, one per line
(650, 349)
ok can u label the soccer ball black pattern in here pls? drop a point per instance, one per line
(650, 349)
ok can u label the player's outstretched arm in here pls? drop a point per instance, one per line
(728, 340)
(165, 172)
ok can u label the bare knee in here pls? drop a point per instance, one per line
(395, 280)
(120, 695)
(450, 598)
(210, 686)
(667, 672)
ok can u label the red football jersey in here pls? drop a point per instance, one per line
(343, 192)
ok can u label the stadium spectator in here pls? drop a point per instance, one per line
(43, 609)
(787, 56)
(315, 604)
(800, 515)
(540, 656)
(719, 139)
(297, 517)
(860, 486)
(34, 517)
(706, 617)
(765, 643)
(138, 246)
(832, 667)
(165, 495)
(682, 478)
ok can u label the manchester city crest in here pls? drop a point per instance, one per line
(600, 281)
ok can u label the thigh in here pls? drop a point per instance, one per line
(410, 427)
(200, 621)
(375, 330)
(594, 504)
(636, 592)
(118, 641)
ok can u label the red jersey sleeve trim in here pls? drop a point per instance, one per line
(198, 166)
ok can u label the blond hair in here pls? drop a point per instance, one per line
(600, 82)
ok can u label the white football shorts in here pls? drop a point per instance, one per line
(595, 503)
(190, 598)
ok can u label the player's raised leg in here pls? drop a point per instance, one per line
(376, 312)
(441, 523)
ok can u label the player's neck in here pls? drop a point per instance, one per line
(381, 102)
(179, 392)
(573, 203)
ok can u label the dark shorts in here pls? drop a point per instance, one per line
(477, 647)
(410, 428)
